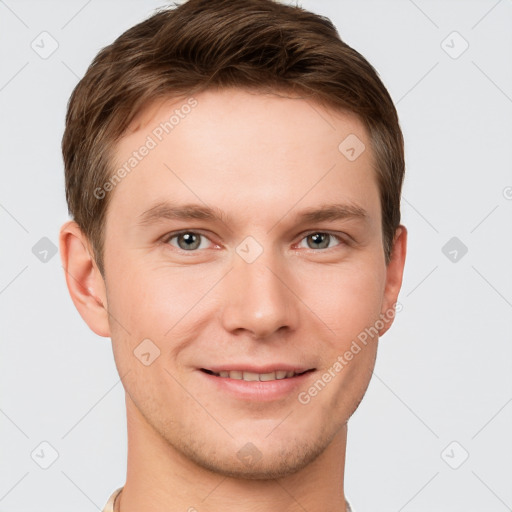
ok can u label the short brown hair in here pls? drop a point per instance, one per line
(208, 44)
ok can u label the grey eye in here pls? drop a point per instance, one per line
(319, 240)
(188, 241)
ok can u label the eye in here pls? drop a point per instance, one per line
(321, 240)
(190, 241)
(187, 240)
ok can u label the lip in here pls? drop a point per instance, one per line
(260, 391)
(258, 369)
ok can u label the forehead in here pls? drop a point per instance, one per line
(242, 148)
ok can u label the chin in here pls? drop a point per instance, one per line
(252, 463)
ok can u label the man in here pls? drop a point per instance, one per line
(234, 172)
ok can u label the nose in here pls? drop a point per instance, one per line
(259, 298)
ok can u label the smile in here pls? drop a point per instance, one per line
(252, 376)
(263, 384)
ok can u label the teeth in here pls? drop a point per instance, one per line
(252, 377)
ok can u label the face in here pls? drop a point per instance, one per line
(244, 243)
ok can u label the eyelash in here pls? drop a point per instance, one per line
(170, 236)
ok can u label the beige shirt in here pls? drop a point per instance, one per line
(109, 507)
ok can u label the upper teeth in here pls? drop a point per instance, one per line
(251, 376)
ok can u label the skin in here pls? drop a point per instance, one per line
(262, 159)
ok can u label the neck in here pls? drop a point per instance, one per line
(161, 479)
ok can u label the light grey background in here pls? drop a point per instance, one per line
(444, 371)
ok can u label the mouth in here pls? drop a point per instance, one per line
(249, 384)
(249, 376)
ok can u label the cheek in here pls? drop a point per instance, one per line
(347, 299)
(350, 306)
(143, 297)
(164, 304)
(151, 300)
(158, 301)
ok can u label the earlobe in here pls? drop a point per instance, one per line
(394, 275)
(83, 278)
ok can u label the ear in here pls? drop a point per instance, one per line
(394, 274)
(83, 278)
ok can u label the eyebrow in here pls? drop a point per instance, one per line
(168, 211)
